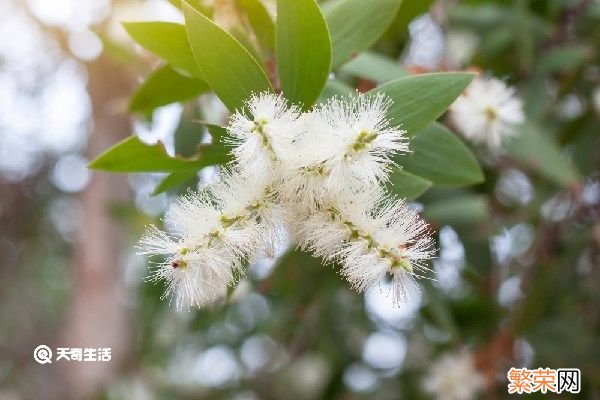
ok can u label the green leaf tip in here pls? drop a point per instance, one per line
(418, 100)
(133, 155)
(228, 68)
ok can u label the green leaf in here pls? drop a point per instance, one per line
(457, 210)
(333, 87)
(232, 73)
(188, 135)
(133, 155)
(197, 4)
(440, 157)
(375, 67)
(168, 41)
(406, 185)
(421, 99)
(564, 58)
(303, 50)
(483, 16)
(540, 153)
(174, 179)
(355, 25)
(239, 33)
(165, 86)
(217, 132)
(260, 21)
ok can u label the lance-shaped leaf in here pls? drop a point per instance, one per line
(420, 99)
(303, 50)
(333, 87)
(406, 185)
(133, 155)
(564, 58)
(261, 22)
(165, 86)
(375, 67)
(166, 40)
(355, 25)
(232, 73)
(440, 157)
(540, 153)
(200, 5)
(465, 209)
(175, 179)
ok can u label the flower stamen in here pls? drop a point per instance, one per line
(363, 140)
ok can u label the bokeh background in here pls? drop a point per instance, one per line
(517, 269)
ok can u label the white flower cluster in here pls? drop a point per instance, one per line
(487, 111)
(317, 176)
(454, 377)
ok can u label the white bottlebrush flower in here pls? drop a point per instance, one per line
(196, 273)
(347, 142)
(353, 139)
(487, 112)
(251, 200)
(213, 233)
(318, 176)
(454, 377)
(324, 233)
(372, 237)
(263, 133)
(302, 189)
